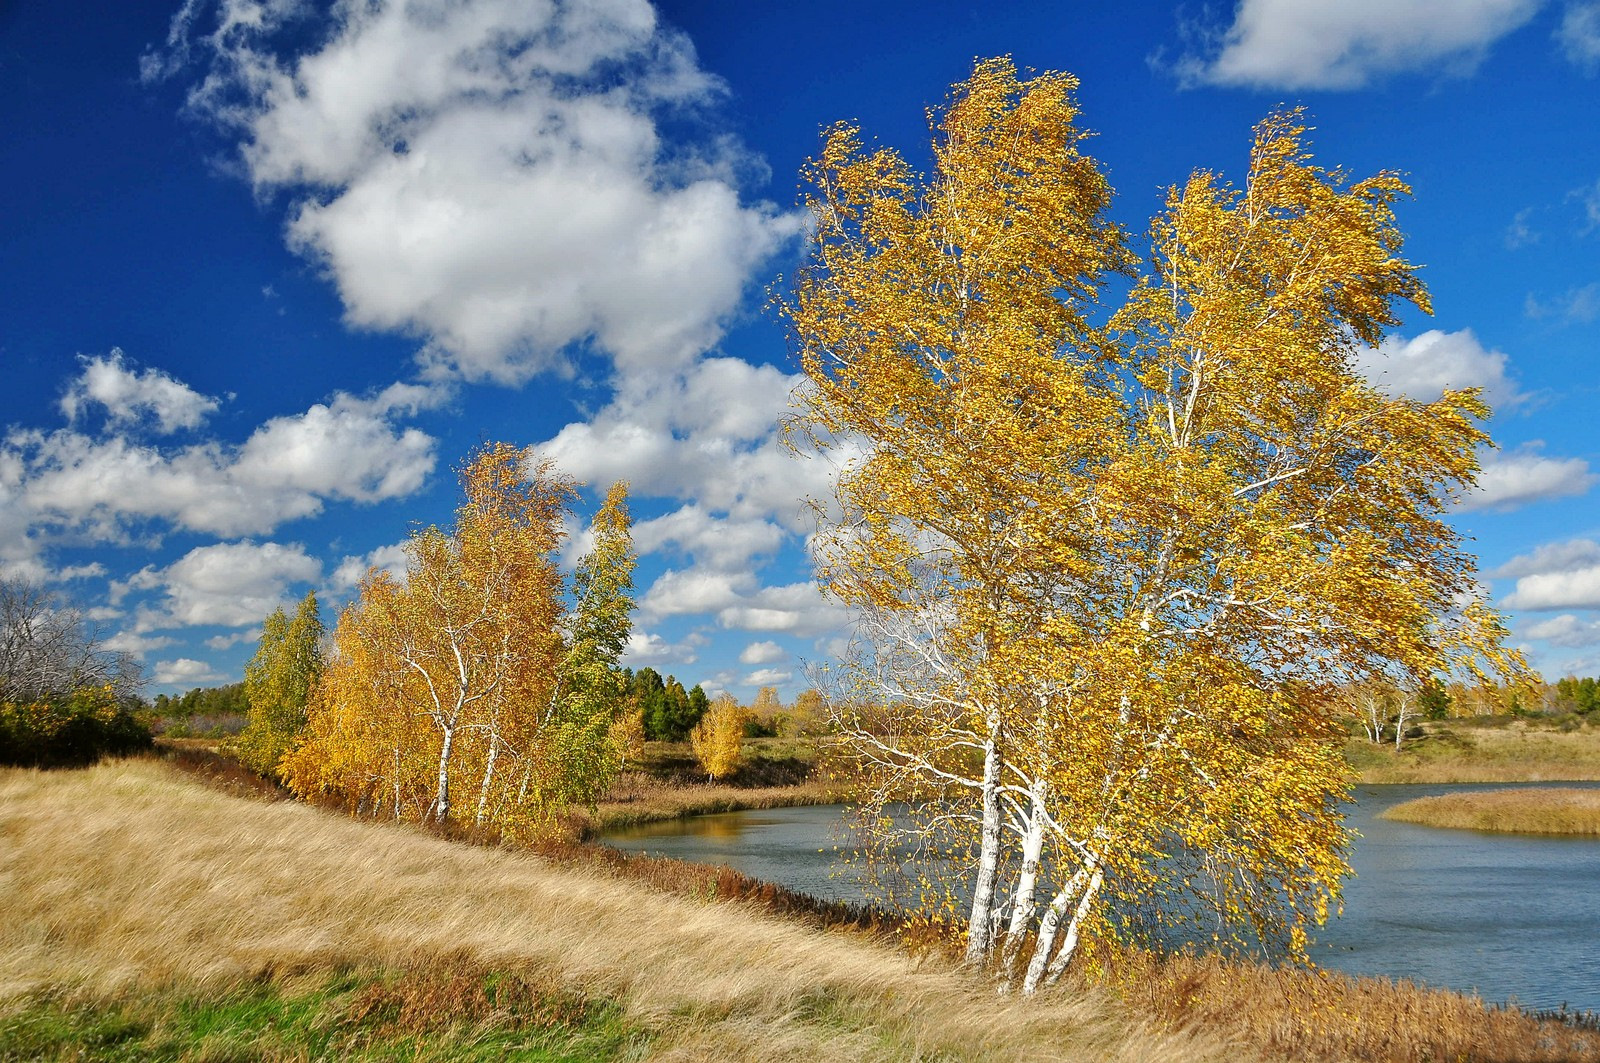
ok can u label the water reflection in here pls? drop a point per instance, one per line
(1506, 916)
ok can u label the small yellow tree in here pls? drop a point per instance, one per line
(719, 736)
(627, 737)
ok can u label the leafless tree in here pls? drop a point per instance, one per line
(49, 647)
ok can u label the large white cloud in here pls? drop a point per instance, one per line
(1306, 44)
(1508, 481)
(1562, 575)
(1566, 630)
(1423, 367)
(68, 483)
(489, 175)
(707, 435)
(224, 585)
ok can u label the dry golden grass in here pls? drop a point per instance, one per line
(1536, 810)
(131, 877)
(1296, 1014)
(1513, 751)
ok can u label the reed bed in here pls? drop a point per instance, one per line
(1530, 810)
(131, 879)
(1313, 1015)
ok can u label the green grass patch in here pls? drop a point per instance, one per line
(413, 1015)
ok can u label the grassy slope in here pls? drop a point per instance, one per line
(1496, 750)
(130, 882)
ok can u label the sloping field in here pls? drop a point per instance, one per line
(129, 877)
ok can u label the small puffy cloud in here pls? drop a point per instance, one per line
(183, 672)
(694, 590)
(134, 397)
(768, 677)
(1566, 630)
(797, 609)
(1511, 480)
(648, 648)
(1579, 35)
(491, 177)
(237, 638)
(225, 585)
(135, 644)
(714, 542)
(762, 653)
(709, 435)
(353, 568)
(1577, 589)
(1292, 44)
(1563, 575)
(1424, 367)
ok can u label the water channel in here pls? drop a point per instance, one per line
(1509, 917)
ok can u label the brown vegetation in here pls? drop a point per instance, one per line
(1536, 810)
(1304, 1014)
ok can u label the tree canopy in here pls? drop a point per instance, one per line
(1111, 563)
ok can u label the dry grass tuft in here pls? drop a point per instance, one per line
(1537, 810)
(128, 877)
(1318, 1015)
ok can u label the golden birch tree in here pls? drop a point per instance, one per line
(718, 739)
(470, 682)
(1111, 568)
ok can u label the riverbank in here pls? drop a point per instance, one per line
(1531, 810)
(1487, 750)
(150, 915)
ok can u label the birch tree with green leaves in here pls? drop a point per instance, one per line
(278, 682)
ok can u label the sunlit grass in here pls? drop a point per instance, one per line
(129, 879)
(1502, 750)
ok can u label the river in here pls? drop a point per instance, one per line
(1509, 917)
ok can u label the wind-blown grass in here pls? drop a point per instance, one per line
(1533, 810)
(128, 879)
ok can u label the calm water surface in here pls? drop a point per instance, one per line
(1509, 917)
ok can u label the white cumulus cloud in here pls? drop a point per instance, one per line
(131, 396)
(1313, 44)
(1566, 630)
(226, 584)
(68, 483)
(490, 176)
(1425, 366)
(1509, 481)
(763, 653)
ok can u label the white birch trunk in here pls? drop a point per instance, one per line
(441, 803)
(1024, 900)
(980, 923)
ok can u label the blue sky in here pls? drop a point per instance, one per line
(269, 269)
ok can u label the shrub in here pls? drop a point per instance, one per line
(70, 730)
